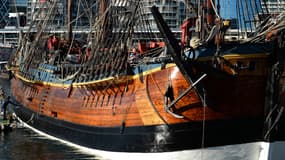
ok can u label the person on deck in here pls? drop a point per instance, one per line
(4, 106)
(1, 94)
(52, 45)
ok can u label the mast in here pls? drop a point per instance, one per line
(68, 20)
(210, 13)
(103, 9)
(218, 7)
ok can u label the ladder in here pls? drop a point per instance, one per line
(43, 100)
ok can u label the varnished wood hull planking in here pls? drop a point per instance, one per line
(243, 94)
(138, 103)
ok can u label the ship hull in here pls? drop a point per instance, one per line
(157, 138)
(130, 116)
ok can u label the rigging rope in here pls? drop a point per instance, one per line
(43, 24)
(273, 24)
(110, 56)
(215, 9)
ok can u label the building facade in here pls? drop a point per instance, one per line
(274, 6)
(173, 12)
(37, 10)
(18, 6)
(9, 9)
(4, 12)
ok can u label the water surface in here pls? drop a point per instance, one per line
(25, 144)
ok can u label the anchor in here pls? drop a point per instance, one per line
(169, 95)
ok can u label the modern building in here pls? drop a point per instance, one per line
(4, 12)
(12, 14)
(173, 12)
(37, 11)
(18, 6)
(274, 6)
(9, 10)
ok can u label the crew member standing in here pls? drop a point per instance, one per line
(4, 106)
(52, 45)
(1, 94)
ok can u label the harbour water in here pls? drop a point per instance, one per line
(23, 144)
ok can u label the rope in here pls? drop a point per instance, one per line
(30, 50)
(275, 122)
(215, 9)
(73, 36)
(277, 24)
(203, 125)
(32, 117)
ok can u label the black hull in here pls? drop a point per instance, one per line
(151, 138)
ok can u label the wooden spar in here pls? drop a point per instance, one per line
(218, 7)
(210, 13)
(172, 43)
(103, 8)
(68, 21)
(175, 51)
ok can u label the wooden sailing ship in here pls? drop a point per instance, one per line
(106, 96)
